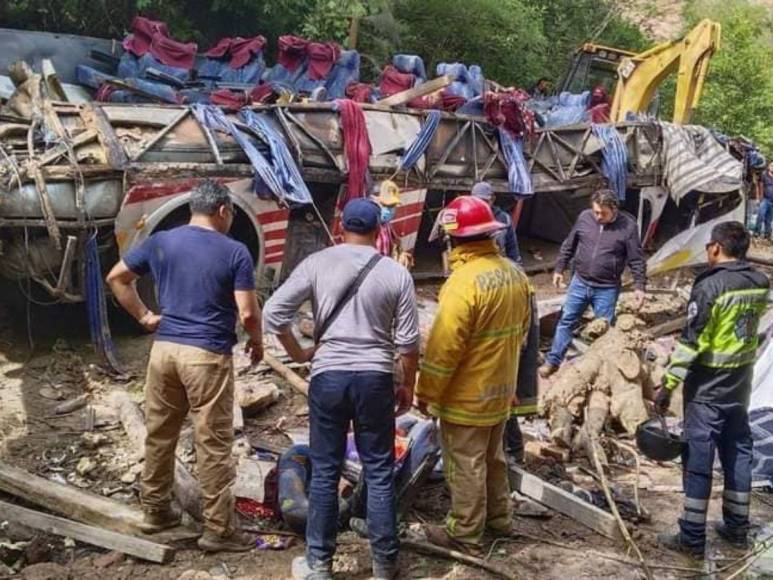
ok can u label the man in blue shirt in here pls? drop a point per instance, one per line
(765, 197)
(203, 279)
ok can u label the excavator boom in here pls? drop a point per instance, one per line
(639, 76)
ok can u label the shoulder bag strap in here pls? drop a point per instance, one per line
(320, 331)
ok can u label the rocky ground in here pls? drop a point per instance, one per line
(87, 448)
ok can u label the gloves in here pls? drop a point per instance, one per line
(662, 400)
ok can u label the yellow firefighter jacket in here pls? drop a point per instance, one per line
(471, 361)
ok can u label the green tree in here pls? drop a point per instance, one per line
(738, 95)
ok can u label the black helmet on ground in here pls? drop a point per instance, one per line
(656, 443)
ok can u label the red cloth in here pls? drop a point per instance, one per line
(444, 101)
(172, 53)
(356, 147)
(359, 92)
(220, 49)
(506, 109)
(229, 99)
(600, 113)
(240, 49)
(243, 49)
(393, 81)
(103, 93)
(143, 31)
(261, 93)
(322, 58)
(385, 240)
(292, 50)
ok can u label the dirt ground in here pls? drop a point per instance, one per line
(63, 365)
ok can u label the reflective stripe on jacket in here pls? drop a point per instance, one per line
(719, 342)
(471, 362)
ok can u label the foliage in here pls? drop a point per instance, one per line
(738, 96)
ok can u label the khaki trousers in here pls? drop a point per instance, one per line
(475, 469)
(180, 379)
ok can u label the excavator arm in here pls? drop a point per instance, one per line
(639, 76)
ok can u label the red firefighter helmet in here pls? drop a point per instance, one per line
(468, 216)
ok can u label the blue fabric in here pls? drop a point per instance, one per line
(423, 139)
(518, 175)
(147, 61)
(708, 429)
(506, 239)
(410, 63)
(476, 80)
(196, 272)
(579, 296)
(764, 218)
(460, 87)
(96, 306)
(294, 475)
(292, 186)
(266, 181)
(345, 72)
(761, 424)
(162, 91)
(91, 77)
(766, 181)
(337, 399)
(565, 109)
(219, 71)
(128, 66)
(614, 158)
(279, 74)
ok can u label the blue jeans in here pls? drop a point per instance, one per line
(336, 399)
(579, 296)
(708, 429)
(764, 217)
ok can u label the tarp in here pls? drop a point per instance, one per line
(693, 160)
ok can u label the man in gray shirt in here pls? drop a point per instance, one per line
(351, 379)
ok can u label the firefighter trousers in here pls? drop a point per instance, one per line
(709, 429)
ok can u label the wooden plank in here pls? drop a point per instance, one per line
(95, 118)
(296, 382)
(419, 91)
(136, 547)
(74, 503)
(668, 327)
(161, 134)
(564, 502)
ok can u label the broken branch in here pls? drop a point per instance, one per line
(431, 550)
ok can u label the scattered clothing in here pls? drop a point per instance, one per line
(357, 148)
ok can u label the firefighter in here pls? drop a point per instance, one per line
(714, 360)
(468, 375)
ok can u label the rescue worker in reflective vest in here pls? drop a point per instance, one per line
(714, 360)
(468, 374)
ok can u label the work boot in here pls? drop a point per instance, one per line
(437, 535)
(302, 571)
(732, 537)
(154, 521)
(675, 542)
(547, 370)
(233, 542)
(384, 570)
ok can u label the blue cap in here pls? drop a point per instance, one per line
(482, 190)
(361, 216)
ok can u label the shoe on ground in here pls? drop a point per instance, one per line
(735, 539)
(674, 542)
(547, 370)
(233, 542)
(437, 535)
(159, 520)
(385, 570)
(301, 570)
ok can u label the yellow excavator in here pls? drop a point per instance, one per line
(640, 75)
